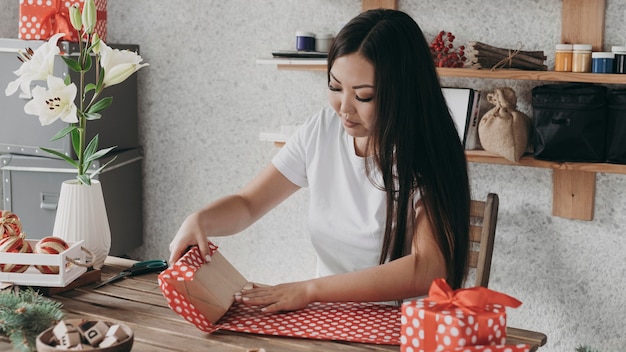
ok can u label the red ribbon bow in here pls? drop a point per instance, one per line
(472, 300)
(56, 19)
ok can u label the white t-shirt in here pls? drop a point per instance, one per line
(347, 212)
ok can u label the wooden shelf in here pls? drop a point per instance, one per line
(481, 156)
(514, 74)
(533, 75)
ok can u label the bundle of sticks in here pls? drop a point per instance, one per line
(481, 55)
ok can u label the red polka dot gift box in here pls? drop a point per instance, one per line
(201, 292)
(346, 321)
(41, 19)
(449, 319)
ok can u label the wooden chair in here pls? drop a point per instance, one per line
(483, 217)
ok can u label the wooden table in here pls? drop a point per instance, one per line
(138, 303)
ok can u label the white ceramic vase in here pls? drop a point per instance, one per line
(81, 215)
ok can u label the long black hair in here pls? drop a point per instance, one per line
(414, 144)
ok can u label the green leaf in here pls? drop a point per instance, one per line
(84, 179)
(100, 105)
(91, 148)
(76, 140)
(87, 63)
(101, 79)
(67, 80)
(92, 116)
(72, 64)
(95, 173)
(60, 155)
(90, 87)
(64, 132)
(99, 154)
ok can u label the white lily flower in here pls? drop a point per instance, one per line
(118, 64)
(56, 102)
(38, 67)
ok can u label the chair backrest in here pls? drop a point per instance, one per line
(483, 217)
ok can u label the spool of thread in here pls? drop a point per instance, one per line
(305, 41)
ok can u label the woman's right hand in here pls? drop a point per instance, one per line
(189, 234)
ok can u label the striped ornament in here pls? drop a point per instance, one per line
(10, 224)
(14, 244)
(50, 245)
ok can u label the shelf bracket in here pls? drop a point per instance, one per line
(378, 4)
(573, 194)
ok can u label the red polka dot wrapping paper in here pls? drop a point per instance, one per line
(341, 321)
(350, 321)
(41, 19)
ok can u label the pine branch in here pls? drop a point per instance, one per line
(25, 315)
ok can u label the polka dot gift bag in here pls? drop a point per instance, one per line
(448, 319)
(41, 19)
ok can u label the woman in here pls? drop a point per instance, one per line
(387, 174)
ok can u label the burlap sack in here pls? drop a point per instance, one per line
(504, 130)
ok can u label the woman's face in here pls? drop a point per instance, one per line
(351, 93)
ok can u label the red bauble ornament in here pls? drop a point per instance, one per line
(10, 224)
(14, 244)
(50, 245)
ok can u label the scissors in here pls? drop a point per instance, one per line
(145, 267)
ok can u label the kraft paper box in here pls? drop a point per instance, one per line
(448, 319)
(40, 20)
(201, 292)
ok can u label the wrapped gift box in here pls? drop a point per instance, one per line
(40, 20)
(201, 292)
(449, 319)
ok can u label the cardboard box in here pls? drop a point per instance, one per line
(40, 20)
(448, 319)
(201, 292)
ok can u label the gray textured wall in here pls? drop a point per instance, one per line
(204, 100)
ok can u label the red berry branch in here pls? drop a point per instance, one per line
(443, 51)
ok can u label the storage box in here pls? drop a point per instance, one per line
(40, 20)
(33, 277)
(23, 134)
(32, 185)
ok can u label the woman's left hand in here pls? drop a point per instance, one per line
(283, 297)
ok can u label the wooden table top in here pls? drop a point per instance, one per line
(139, 303)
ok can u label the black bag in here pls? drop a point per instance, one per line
(569, 122)
(616, 127)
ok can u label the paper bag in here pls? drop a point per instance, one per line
(504, 130)
(201, 292)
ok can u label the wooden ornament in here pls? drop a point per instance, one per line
(10, 224)
(50, 245)
(14, 244)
